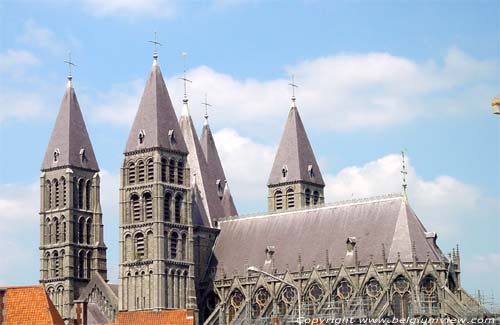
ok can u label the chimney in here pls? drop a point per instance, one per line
(81, 312)
(2, 305)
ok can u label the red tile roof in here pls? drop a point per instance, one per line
(29, 306)
(164, 317)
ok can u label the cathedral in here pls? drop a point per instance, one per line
(182, 244)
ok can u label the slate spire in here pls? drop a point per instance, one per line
(69, 144)
(155, 124)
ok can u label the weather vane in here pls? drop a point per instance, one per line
(404, 172)
(207, 105)
(156, 43)
(70, 64)
(184, 54)
(293, 85)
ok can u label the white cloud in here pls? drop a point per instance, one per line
(19, 105)
(18, 204)
(131, 8)
(34, 34)
(15, 62)
(489, 263)
(357, 91)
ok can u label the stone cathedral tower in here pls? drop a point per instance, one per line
(72, 249)
(156, 233)
(295, 180)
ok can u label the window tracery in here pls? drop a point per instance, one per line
(260, 301)
(236, 301)
(401, 298)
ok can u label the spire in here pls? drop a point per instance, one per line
(295, 160)
(200, 171)
(70, 64)
(228, 206)
(155, 51)
(155, 124)
(404, 173)
(293, 85)
(69, 144)
(185, 107)
(207, 105)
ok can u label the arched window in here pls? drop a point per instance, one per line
(55, 265)
(341, 296)
(178, 208)
(57, 230)
(315, 198)
(148, 201)
(140, 171)
(87, 194)
(371, 293)
(150, 170)
(308, 197)
(164, 165)
(48, 234)
(136, 207)
(49, 195)
(89, 265)
(57, 193)
(139, 246)
(131, 173)
(171, 171)
(260, 301)
(314, 295)
(429, 296)
(81, 264)
(401, 298)
(80, 193)
(64, 228)
(174, 238)
(290, 199)
(287, 299)
(46, 265)
(180, 173)
(167, 202)
(183, 247)
(81, 229)
(64, 194)
(278, 200)
(88, 229)
(236, 302)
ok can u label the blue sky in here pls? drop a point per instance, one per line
(374, 78)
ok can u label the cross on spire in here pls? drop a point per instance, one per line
(207, 105)
(70, 64)
(184, 54)
(404, 173)
(156, 43)
(293, 85)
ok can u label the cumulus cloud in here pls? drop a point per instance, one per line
(358, 91)
(131, 8)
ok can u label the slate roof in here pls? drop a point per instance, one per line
(295, 152)
(228, 207)
(95, 314)
(69, 137)
(156, 118)
(29, 305)
(199, 168)
(387, 221)
(215, 168)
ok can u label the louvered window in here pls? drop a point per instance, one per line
(164, 166)
(57, 194)
(315, 198)
(173, 245)
(150, 170)
(180, 173)
(171, 172)
(290, 198)
(131, 173)
(136, 208)
(148, 201)
(63, 182)
(308, 197)
(139, 245)
(278, 199)
(167, 201)
(140, 167)
(178, 208)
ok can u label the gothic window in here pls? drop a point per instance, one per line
(87, 194)
(315, 198)
(148, 201)
(178, 208)
(164, 165)
(140, 171)
(80, 193)
(180, 173)
(174, 238)
(171, 171)
(401, 298)
(81, 264)
(63, 183)
(260, 301)
(136, 207)
(290, 199)
(57, 230)
(308, 197)
(89, 265)
(341, 296)
(81, 229)
(88, 230)
(56, 192)
(236, 302)
(139, 246)
(429, 296)
(371, 293)
(287, 299)
(150, 170)
(278, 200)
(49, 195)
(313, 298)
(131, 173)
(167, 201)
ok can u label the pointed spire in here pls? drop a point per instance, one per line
(69, 144)
(207, 105)
(295, 160)
(155, 124)
(228, 207)
(185, 100)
